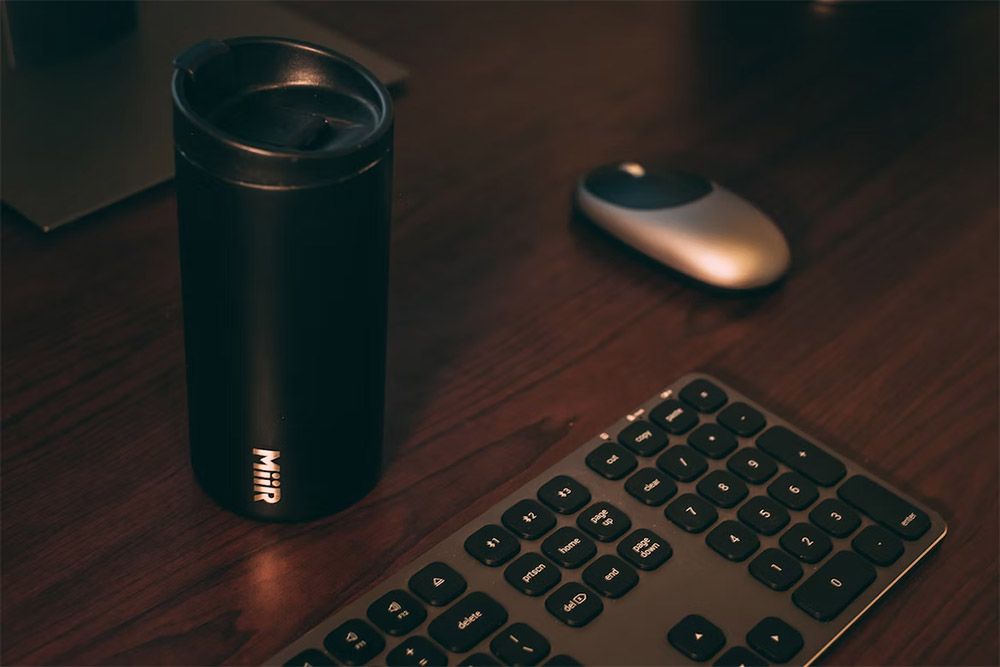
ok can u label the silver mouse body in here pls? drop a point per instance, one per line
(688, 223)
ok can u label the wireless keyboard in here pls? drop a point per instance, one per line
(700, 528)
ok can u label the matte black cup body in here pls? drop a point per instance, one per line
(283, 156)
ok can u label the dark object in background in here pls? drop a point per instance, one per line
(283, 157)
(40, 33)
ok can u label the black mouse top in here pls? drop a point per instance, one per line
(632, 185)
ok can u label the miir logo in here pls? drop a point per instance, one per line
(265, 476)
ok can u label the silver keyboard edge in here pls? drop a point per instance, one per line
(938, 525)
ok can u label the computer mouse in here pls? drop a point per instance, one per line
(687, 222)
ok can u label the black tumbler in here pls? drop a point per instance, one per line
(284, 166)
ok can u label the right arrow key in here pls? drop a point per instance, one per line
(775, 640)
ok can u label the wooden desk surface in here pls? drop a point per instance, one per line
(868, 131)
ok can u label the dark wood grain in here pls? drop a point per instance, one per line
(869, 131)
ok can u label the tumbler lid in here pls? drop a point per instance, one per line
(278, 112)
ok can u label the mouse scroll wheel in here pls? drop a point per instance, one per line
(633, 169)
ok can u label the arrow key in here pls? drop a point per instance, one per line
(738, 656)
(519, 644)
(696, 637)
(775, 639)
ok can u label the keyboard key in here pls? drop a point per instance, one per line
(806, 542)
(468, 622)
(643, 438)
(492, 545)
(835, 517)
(775, 569)
(610, 576)
(479, 660)
(691, 513)
(775, 639)
(722, 488)
(878, 545)
(712, 440)
(416, 652)
(604, 521)
(651, 486)
(569, 547)
(834, 585)
(528, 519)
(563, 660)
(673, 417)
(520, 644)
(611, 460)
(397, 612)
(733, 540)
(885, 507)
(703, 396)
(437, 584)
(682, 463)
(741, 419)
(574, 605)
(752, 465)
(793, 491)
(354, 642)
(739, 656)
(531, 574)
(310, 658)
(801, 455)
(564, 494)
(696, 637)
(763, 515)
(645, 549)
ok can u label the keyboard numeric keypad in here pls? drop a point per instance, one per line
(722, 488)
(691, 513)
(650, 486)
(806, 542)
(764, 515)
(752, 465)
(682, 463)
(733, 540)
(776, 569)
(793, 491)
